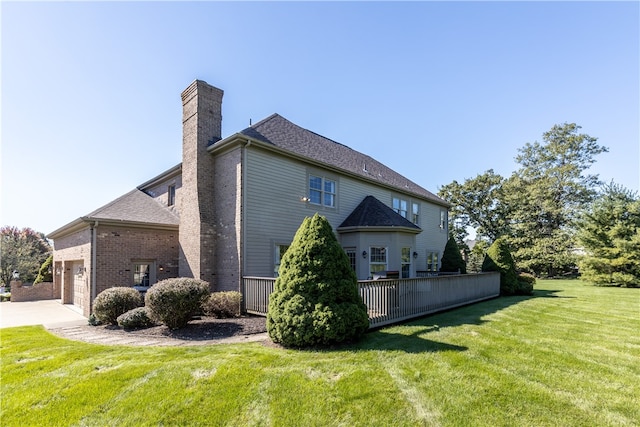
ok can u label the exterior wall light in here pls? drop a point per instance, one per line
(415, 255)
(364, 254)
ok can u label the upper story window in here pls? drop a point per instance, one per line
(415, 213)
(443, 220)
(171, 195)
(322, 191)
(400, 206)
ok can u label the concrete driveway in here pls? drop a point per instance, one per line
(49, 313)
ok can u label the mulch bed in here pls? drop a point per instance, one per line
(199, 329)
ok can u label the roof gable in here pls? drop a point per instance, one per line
(135, 206)
(282, 133)
(372, 213)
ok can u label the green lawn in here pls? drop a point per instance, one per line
(568, 356)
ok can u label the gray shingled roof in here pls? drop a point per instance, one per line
(371, 212)
(135, 206)
(282, 133)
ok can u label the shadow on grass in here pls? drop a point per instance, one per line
(410, 343)
(386, 338)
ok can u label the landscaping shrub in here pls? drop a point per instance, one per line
(93, 320)
(174, 302)
(498, 258)
(45, 274)
(526, 282)
(315, 299)
(136, 318)
(112, 302)
(223, 304)
(452, 258)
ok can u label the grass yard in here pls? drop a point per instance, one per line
(568, 356)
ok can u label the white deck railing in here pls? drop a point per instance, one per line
(394, 300)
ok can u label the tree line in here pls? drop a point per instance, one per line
(556, 217)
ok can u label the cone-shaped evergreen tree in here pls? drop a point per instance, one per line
(315, 299)
(498, 258)
(452, 258)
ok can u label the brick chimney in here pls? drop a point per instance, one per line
(201, 127)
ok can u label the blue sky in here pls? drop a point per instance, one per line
(438, 91)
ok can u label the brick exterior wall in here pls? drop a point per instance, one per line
(40, 291)
(118, 248)
(228, 209)
(201, 126)
(73, 248)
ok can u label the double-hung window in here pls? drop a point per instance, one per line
(432, 261)
(279, 253)
(322, 191)
(351, 254)
(143, 273)
(377, 259)
(400, 206)
(415, 213)
(405, 262)
(443, 219)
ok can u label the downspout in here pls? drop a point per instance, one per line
(243, 208)
(94, 261)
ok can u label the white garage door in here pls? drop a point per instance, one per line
(78, 283)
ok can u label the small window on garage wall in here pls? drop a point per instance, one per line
(143, 273)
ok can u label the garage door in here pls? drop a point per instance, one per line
(78, 283)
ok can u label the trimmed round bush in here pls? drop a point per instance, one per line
(135, 319)
(526, 282)
(223, 304)
(112, 302)
(174, 302)
(315, 300)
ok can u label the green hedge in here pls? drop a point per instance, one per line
(223, 304)
(112, 302)
(174, 302)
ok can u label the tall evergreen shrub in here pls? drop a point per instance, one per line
(498, 258)
(452, 258)
(45, 274)
(315, 299)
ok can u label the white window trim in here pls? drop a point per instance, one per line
(323, 193)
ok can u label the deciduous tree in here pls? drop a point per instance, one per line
(23, 250)
(546, 195)
(477, 203)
